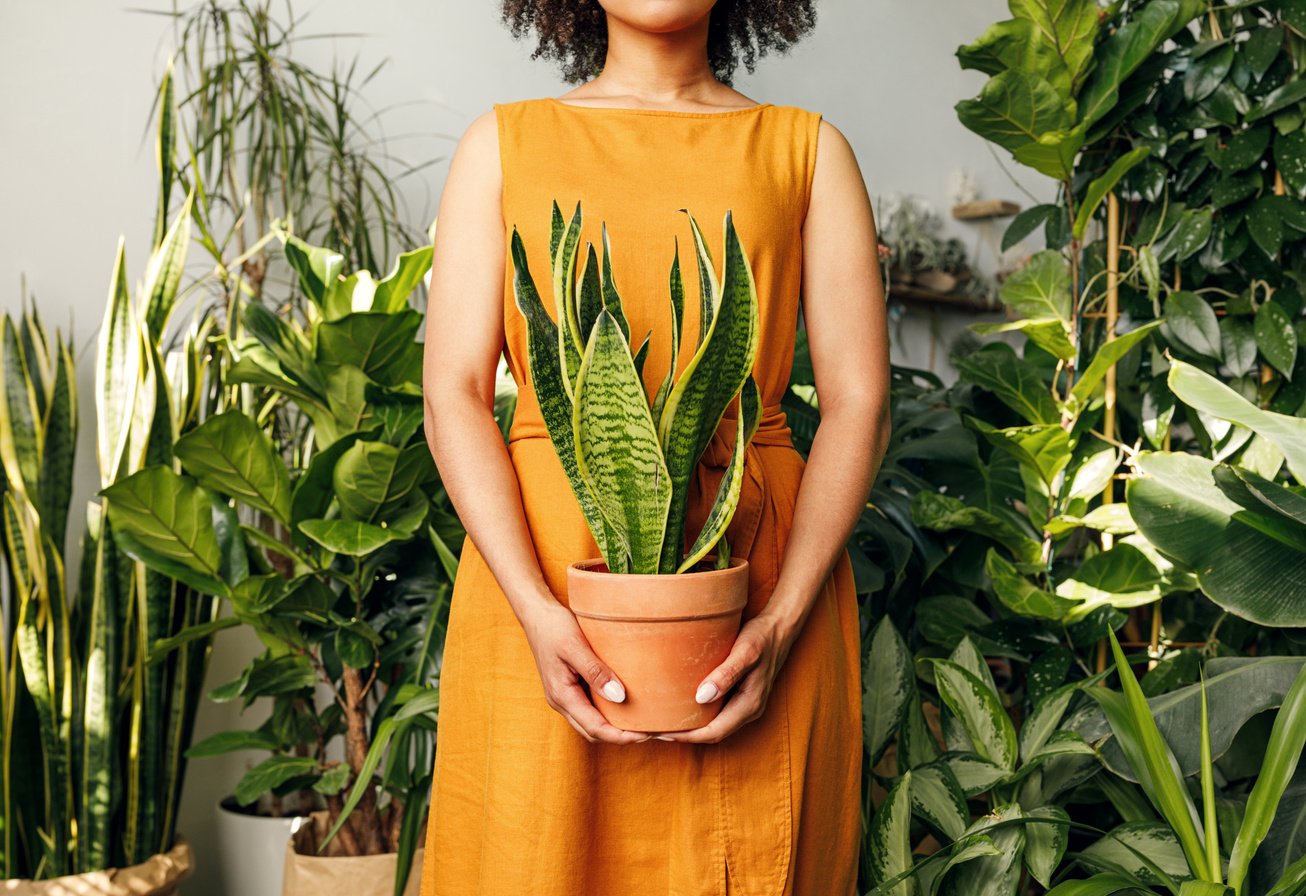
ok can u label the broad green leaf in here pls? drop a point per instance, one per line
(1045, 719)
(1044, 448)
(1100, 885)
(1124, 51)
(1276, 337)
(1049, 335)
(1125, 847)
(373, 480)
(1121, 577)
(980, 712)
(1019, 594)
(992, 875)
(270, 773)
(1016, 382)
(229, 454)
(943, 513)
(1249, 563)
(1207, 394)
(352, 538)
(1045, 842)
(888, 842)
(1017, 109)
(1281, 97)
(393, 290)
(1068, 29)
(230, 741)
(617, 449)
(1192, 322)
(382, 345)
(889, 684)
(318, 268)
(1104, 184)
(938, 799)
(1110, 353)
(1040, 289)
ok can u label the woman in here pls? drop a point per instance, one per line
(535, 794)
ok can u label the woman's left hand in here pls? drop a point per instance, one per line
(745, 677)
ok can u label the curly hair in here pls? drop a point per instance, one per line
(575, 32)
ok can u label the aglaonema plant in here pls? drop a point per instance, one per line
(630, 461)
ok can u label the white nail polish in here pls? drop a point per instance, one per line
(706, 692)
(614, 691)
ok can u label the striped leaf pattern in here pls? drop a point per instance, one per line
(549, 380)
(598, 415)
(617, 449)
(732, 481)
(710, 382)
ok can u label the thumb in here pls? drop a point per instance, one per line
(596, 673)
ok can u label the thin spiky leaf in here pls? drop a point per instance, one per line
(611, 298)
(709, 290)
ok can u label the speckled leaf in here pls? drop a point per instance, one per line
(992, 875)
(980, 712)
(709, 383)
(570, 341)
(1191, 321)
(732, 481)
(938, 799)
(676, 287)
(1276, 338)
(611, 298)
(1045, 843)
(889, 839)
(709, 289)
(888, 683)
(617, 447)
(591, 293)
(547, 379)
(1290, 158)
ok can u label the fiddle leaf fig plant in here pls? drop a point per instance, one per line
(629, 460)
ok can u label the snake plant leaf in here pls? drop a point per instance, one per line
(732, 481)
(1282, 753)
(229, 454)
(709, 291)
(556, 227)
(58, 444)
(550, 389)
(611, 298)
(617, 449)
(570, 341)
(591, 292)
(677, 289)
(641, 355)
(889, 840)
(117, 378)
(164, 269)
(21, 437)
(716, 373)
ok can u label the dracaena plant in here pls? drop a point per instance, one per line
(629, 460)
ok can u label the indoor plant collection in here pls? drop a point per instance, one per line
(648, 602)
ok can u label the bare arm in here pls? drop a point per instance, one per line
(847, 332)
(464, 338)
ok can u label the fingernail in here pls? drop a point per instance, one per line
(614, 691)
(706, 692)
(664, 737)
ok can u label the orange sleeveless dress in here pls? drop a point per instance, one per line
(522, 804)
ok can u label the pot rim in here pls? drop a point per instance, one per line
(586, 568)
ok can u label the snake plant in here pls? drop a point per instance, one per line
(630, 462)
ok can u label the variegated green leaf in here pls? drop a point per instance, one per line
(713, 377)
(677, 290)
(118, 376)
(164, 269)
(888, 687)
(732, 481)
(1045, 842)
(980, 712)
(550, 390)
(617, 447)
(709, 290)
(591, 293)
(21, 440)
(937, 798)
(889, 839)
(611, 298)
(570, 341)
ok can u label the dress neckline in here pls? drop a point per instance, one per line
(676, 113)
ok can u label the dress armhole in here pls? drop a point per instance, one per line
(813, 136)
(502, 125)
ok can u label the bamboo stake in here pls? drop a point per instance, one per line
(1112, 315)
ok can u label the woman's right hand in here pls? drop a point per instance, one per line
(565, 659)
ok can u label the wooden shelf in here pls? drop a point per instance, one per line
(984, 210)
(916, 295)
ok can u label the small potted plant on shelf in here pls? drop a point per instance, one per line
(662, 616)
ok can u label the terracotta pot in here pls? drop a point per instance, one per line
(309, 874)
(158, 875)
(661, 635)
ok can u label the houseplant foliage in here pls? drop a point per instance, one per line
(1157, 346)
(343, 603)
(630, 464)
(95, 725)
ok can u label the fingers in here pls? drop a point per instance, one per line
(564, 694)
(745, 705)
(743, 657)
(588, 666)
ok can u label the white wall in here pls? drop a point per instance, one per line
(77, 167)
